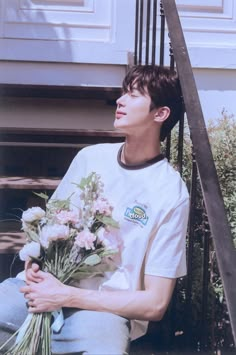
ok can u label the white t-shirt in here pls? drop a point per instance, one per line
(153, 244)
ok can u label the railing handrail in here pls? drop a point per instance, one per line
(224, 247)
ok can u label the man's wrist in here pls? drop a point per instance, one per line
(71, 296)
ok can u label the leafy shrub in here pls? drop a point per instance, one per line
(210, 327)
(222, 135)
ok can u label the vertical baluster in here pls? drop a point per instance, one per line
(136, 40)
(148, 31)
(205, 282)
(154, 31)
(191, 227)
(172, 59)
(181, 143)
(162, 35)
(168, 139)
(172, 65)
(168, 146)
(140, 33)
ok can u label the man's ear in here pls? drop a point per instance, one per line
(162, 113)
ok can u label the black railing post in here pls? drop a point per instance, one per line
(154, 30)
(162, 35)
(181, 143)
(136, 39)
(205, 282)
(190, 248)
(140, 33)
(148, 31)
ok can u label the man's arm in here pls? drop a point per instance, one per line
(49, 294)
(149, 304)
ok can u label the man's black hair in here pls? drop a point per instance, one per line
(163, 86)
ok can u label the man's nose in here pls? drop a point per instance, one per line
(120, 101)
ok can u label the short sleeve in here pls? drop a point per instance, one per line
(73, 176)
(166, 255)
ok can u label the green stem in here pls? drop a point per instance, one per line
(8, 340)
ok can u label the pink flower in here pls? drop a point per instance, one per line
(85, 239)
(53, 232)
(64, 217)
(102, 206)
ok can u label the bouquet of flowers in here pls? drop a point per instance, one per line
(71, 244)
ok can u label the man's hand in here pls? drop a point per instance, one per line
(43, 291)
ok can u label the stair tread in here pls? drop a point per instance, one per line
(11, 242)
(22, 182)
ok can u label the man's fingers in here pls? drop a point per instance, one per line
(30, 275)
(25, 289)
(35, 267)
(34, 274)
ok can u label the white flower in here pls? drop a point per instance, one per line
(53, 232)
(30, 250)
(33, 214)
(109, 239)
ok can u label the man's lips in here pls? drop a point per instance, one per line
(120, 114)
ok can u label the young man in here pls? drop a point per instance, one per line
(103, 314)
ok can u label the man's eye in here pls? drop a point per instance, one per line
(133, 94)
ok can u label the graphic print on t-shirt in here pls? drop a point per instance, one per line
(137, 213)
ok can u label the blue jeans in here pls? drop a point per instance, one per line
(84, 332)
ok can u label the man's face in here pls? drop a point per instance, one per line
(133, 112)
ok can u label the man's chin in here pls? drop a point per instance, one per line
(119, 128)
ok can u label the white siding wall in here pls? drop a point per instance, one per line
(75, 31)
(210, 33)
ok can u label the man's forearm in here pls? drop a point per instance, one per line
(149, 304)
(128, 304)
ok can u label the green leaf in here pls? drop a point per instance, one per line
(82, 183)
(109, 252)
(85, 181)
(108, 221)
(59, 204)
(92, 260)
(41, 195)
(86, 271)
(32, 235)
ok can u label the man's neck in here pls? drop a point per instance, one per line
(138, 152)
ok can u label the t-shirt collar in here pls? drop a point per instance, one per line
(147, 163)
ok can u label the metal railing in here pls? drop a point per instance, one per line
(151, 42)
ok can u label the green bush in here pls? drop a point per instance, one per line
(222, 135)
(188, 316)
